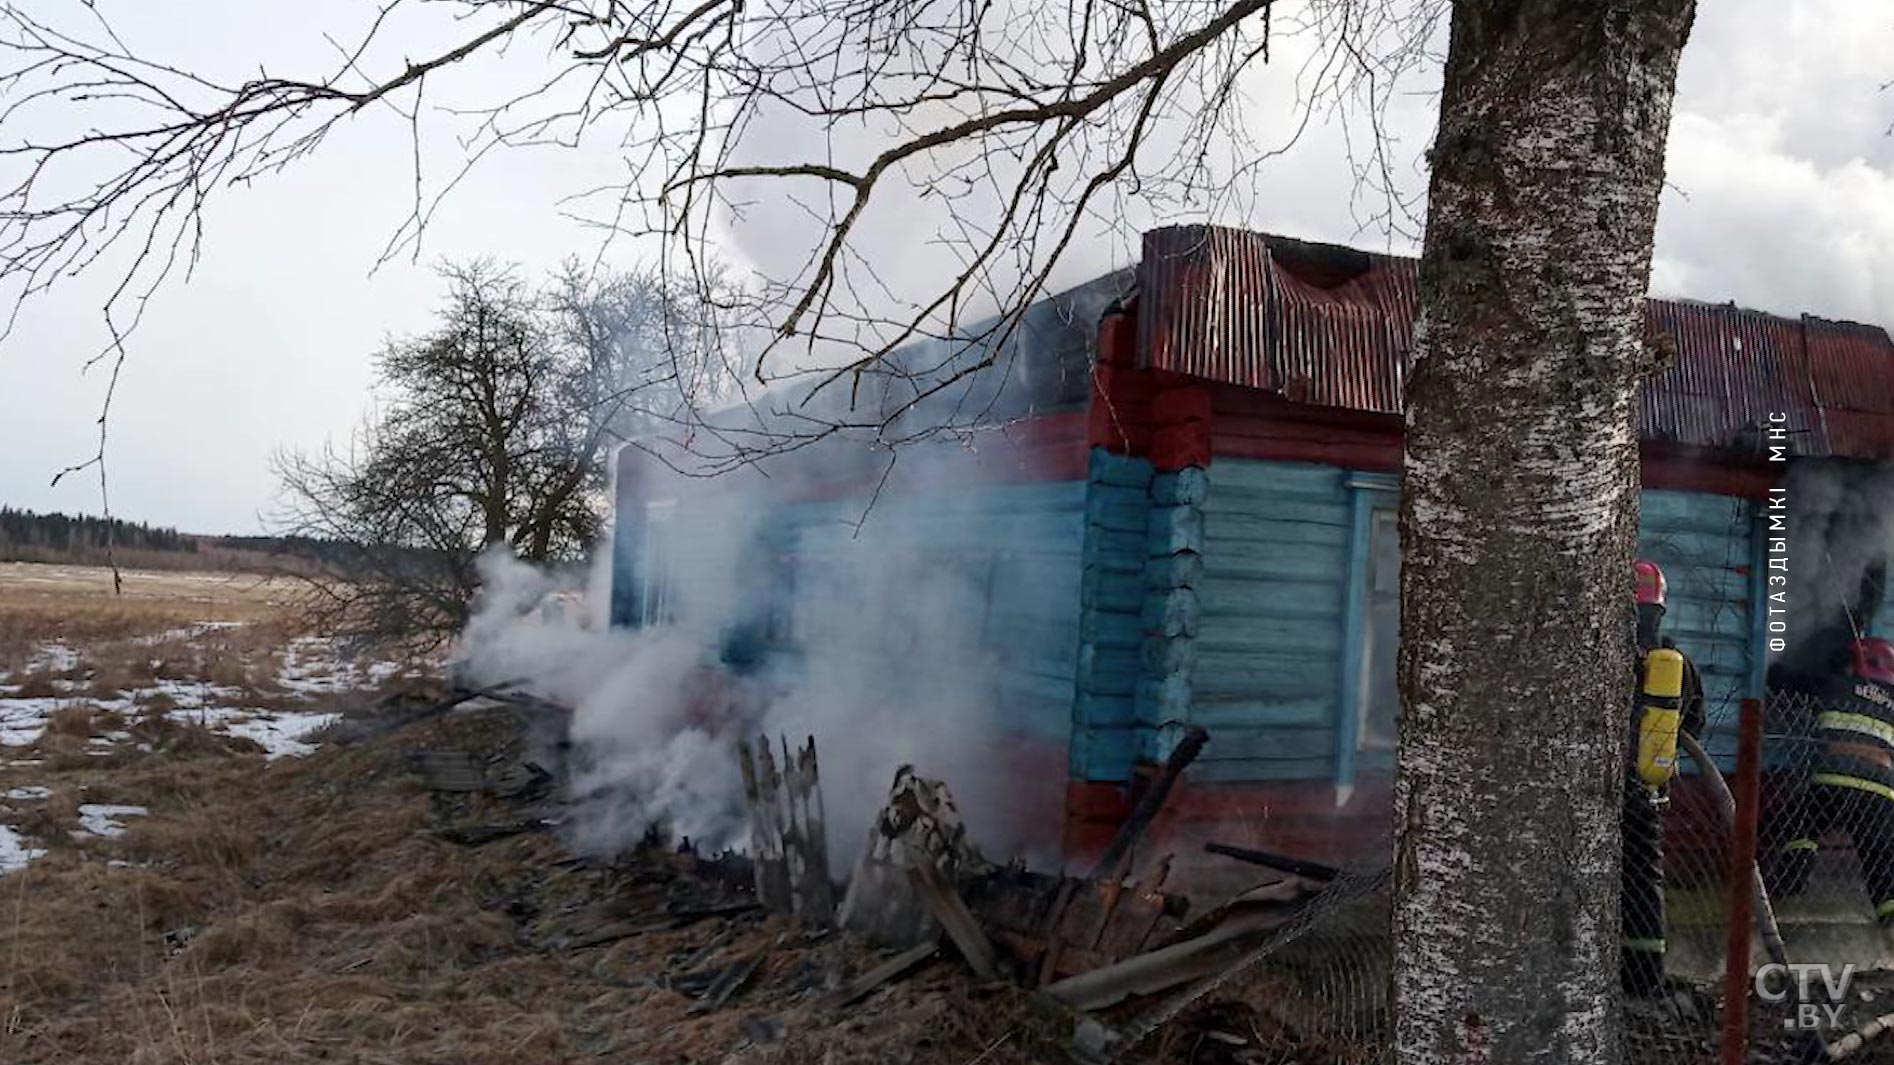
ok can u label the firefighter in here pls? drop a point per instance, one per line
(1851, 787)
(1669, 698)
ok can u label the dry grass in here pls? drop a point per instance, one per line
(304, 911)
(245, 882)
(293, 913)
(246, 659)
(77, 605)
(37, 685)
(228, 631)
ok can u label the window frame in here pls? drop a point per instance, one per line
(1366, 740)
(1367, 494)
(655, 589)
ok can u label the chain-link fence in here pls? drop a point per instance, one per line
(1821, 894)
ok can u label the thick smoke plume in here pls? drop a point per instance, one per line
(1841, 540)
(632, 730)
(884, 652)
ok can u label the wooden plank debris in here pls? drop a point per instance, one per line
(727, 983)
(458, 772)
(709, 950)
(451, 771)
(397, 712)
(805, 836)
(518, 780)
(1150, 804)
(1096, 928)
(892, 969)
(1166, 967)
(683, 915)
(477, 834)
(1069, 952)
(1212, 943)
(1280, 862)
(612, 933)
(944, 903)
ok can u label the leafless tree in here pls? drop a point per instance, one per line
(494, 429)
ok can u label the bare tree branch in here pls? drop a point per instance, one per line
(1004, 128)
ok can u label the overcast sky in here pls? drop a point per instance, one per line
(1781, 197)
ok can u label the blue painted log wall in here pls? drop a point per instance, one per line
(1173, 612)
(1106, 735)
(1131, 603)
(1269, 651)
(1704, 545)
(627, 532)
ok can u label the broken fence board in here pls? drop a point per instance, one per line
(1169, 966)
(788, 833)
(919, 824)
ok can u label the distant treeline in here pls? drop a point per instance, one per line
(26, 536)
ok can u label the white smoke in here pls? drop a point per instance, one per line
(1841, 533)
(893, 661)
(633, 726)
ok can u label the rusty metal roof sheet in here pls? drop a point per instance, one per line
(1317, 324)
(1732, 369)
(1332, 326)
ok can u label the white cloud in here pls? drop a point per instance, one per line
(1781, 168)
(1757, 225)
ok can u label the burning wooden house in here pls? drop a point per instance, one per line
(1185, 515)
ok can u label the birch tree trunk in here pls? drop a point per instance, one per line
(1518, 527)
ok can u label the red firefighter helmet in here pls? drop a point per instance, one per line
(1650, 582)
(1874, 659)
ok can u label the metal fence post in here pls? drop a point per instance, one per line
(1741, 881)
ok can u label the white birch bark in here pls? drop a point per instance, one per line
(1519, 524)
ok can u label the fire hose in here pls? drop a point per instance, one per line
(1766, 924)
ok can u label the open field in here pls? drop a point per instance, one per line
(145, 743)
(216, 849)
(41, 604)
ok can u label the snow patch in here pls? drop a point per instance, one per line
(191, 694)
(14, 853)
(33, 791)
(103, 819)
(53, 657)
(280, 734)
(191, 631)
(313, 665)
(23, 721)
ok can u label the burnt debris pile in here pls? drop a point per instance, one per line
(1020, 964)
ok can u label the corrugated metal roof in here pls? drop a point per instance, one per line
(1733, 368)
(1853, 383)
(1331, 326)
(1318, 324)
